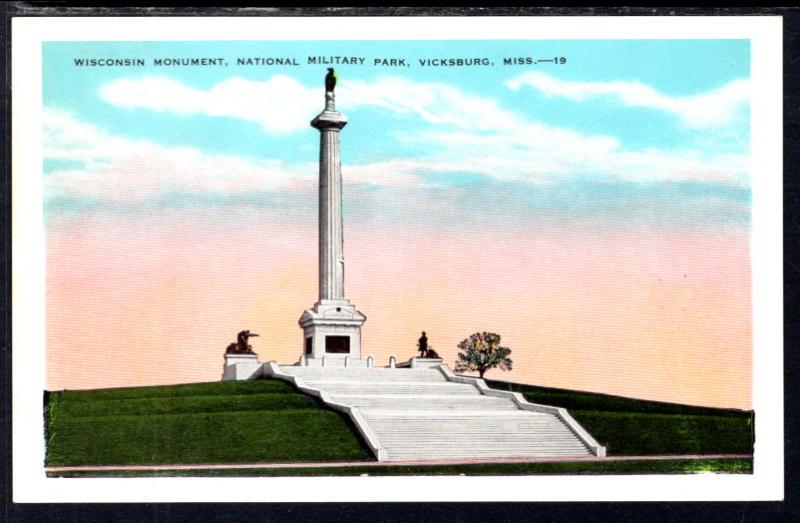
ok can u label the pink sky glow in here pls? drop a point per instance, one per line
(660, 315)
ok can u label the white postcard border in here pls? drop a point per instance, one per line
(28, 257)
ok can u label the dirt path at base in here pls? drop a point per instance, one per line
(343, 464)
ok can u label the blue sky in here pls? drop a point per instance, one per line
(633, 124)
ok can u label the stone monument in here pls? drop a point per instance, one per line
(332, 327)
(240, 359)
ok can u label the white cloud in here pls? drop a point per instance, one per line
(280, 104)
(435, 103)
(538, 157)
(471, 134)
(497, 143)
(119, 170)
(712, 108)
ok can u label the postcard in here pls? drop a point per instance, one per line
(397, 259)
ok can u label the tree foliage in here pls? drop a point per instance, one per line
(481, 352)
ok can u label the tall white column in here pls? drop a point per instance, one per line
(331, 242)
(332, 327)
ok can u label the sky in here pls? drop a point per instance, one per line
(595, 213)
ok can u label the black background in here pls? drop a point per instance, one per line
(457, 511)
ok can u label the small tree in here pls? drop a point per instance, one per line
(481, 352)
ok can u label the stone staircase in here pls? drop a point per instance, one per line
(423, 414)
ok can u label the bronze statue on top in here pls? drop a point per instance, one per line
(422, 345)
(425, 350)
(241, 346)
(330, 80)
(330, 85)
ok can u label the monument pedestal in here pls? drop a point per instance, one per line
(422, 363)
(332, 329)
(240, 366)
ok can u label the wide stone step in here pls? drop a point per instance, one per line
(501, 416)
(486, 426)
(467, 451)
(438, 454)
(473, 451)
(559, 433)
(489, 420)
(476, 421)
(531, 441)
(399, 433)
(525, 432)
(516, 450)
(368, 374)
(426, 401)
(435, 458)
(369, 388)
(473, 431)
(488, 439)
(513, 418)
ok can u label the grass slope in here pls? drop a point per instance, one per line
(630, 427)
(223, 422)
(268, 421)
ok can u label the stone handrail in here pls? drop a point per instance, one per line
(271, 369)
(562, 413)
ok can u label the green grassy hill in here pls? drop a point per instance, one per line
(269, 421)
(223, 422)
(638, 427)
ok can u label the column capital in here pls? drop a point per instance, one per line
(329, 120)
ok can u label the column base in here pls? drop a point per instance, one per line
(332, 330)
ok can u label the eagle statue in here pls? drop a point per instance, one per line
(330, 80)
